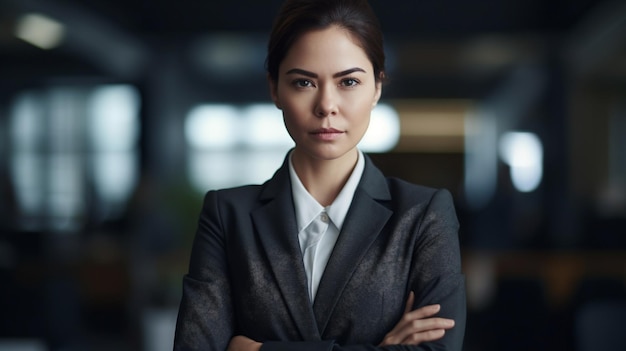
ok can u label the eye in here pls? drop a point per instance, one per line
(350, 82)
(302, 83)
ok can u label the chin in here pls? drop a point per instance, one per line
(329, 153)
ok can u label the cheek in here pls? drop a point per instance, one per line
(292, 118)
(289, 101)
(291, 115)
(295, 109)
(360, 111)
(363, 101)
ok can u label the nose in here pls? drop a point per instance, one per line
(327, 102)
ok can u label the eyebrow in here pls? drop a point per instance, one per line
(314, 75)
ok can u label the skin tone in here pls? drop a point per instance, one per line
(326, 89)
(326, 102)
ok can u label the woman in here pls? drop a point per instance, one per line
(328, 254)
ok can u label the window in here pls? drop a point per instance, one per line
(233, 145)
(74, 154)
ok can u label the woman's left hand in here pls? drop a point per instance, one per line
(418, 326)
(243, 343)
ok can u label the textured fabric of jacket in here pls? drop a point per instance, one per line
(246, 275)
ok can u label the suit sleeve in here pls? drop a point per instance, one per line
(436, 278)
(205, 317)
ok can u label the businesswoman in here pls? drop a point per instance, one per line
(328, 254)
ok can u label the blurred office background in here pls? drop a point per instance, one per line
(117, 115)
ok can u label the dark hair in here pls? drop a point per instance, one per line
(297, 17)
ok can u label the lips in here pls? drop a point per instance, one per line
(327, 133)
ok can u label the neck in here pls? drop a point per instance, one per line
(324, 179)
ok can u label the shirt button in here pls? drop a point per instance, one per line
(324, 217)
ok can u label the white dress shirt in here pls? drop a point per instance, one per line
(318, 226)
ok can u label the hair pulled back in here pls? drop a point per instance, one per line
(297, 17)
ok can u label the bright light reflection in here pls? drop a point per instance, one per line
(384, 130)
(259, 166)
(212, 126)
(212, 170)
(225, 169)
(115, 175)
(40, 30)
(26, 171)
(266, 128)
(114, 123)
(27, 123)
(523, 152)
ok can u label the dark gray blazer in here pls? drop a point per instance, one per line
(246, 275)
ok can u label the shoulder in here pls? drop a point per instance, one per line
(400, 188)
(431, 210)
(399, 193)
(236, 196)
(424, 201)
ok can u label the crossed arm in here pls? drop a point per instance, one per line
(415, 327)
(437, 253)
(437, 276)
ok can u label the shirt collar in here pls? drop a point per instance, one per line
(307, 208)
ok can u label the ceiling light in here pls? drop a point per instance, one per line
(40, 30)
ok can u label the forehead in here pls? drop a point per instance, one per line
(331, 48)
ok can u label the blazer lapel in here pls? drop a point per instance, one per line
(276, 225)
(364, 221)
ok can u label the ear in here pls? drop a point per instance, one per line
(273, 85)
(377, 93)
